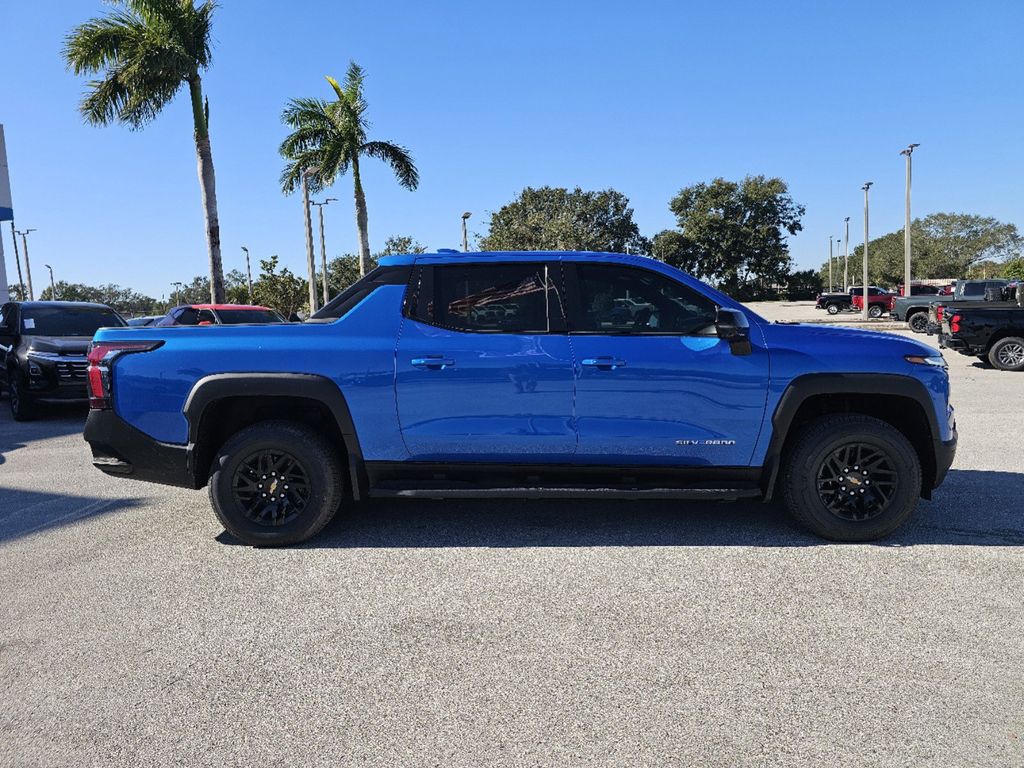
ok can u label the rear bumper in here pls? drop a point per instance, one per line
(959, 345)
(120, 449)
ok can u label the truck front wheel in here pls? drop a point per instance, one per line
(833, 309)
(276, 483)
(918, 322)
(851, 477)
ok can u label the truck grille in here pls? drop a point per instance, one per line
(72, 370)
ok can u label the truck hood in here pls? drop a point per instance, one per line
(59, 345)
(849, 349)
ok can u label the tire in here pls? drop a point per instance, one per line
(832, 309)
(918, 322)
(1007, 354)
(819, 447)
(304, 457)
(22, 406)
(874, 311)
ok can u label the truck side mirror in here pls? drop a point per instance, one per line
(732, 326)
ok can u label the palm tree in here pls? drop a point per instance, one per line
(329, 138)
(145, 51)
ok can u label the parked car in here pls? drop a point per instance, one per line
(921, 289)
(968, 293)
(992, 333)
(396, 389)
(42, 350)
(834, 303)
(919, 312)
(140, 322)
(879, 300)
(219, 314)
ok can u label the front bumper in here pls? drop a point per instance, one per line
(118, 448)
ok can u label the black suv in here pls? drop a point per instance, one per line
(43, 347)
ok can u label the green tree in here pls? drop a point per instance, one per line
(943, 245)
(195, 292)
(556, 219)
(401, 244)
(1014, 269)
(802, 285)
(283, 291)
(146, 50)
(329, 139)
(734, 234)
(124, 300)
(236, 287)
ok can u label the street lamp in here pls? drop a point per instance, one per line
(323, 244)
(177, 289)
(248, 272)
(864, 309)
(830, 283)
(465, 235)
(53, 288)
(906, 226)
(846, 255)
(310, 261)
(28, 267)
(17, 263)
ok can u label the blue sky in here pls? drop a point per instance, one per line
(645, 97)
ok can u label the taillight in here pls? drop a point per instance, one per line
(939, 313)
(954, 324)
(102, 355)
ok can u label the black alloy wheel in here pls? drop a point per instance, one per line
(857, 481)
(271, 487)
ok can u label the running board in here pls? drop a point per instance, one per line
(690, 494)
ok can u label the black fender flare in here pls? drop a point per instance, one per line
(804, 387)
(219, 386)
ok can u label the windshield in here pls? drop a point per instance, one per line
(67, 321)
(240, 316)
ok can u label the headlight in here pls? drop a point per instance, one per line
(34, 369)
(936, 360)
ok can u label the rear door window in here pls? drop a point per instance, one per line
(491, 298)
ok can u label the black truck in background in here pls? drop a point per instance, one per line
(915, 309)
(992, 332)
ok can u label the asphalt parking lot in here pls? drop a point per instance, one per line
(134, 632)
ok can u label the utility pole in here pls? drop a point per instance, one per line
(864, 287)
(831, 285)
(465, 234)
(310, 261)
(28, 267)
(846, 255)
(53, 288)
(248, 272)
(17, 262)
(906, 227)
(323, 244)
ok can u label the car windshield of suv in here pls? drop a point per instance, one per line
(67, 321)
(242, 316)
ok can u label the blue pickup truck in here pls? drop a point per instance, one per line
(528, 375)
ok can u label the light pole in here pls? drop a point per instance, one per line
(830, 283)
(53, 288)
(846, 255)
(310, 261)
(177, 289)
(906, 226)
(28, 267)
(465, 235)
(323, 244)
(17, 263)
(248, 272)
(864, 287)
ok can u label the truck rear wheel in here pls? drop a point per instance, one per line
(918, 322)
(832, 309)
(1008, 354)
(851, 477)
(874, 311)
(276, 483)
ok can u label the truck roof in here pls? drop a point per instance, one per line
(444, 255)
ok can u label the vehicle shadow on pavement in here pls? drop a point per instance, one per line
(26, 512)
(976, 508)
(56, 422)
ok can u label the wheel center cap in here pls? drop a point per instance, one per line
(854, 480)
(273, 487)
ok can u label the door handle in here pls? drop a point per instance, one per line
(605, 363)
(434, 362)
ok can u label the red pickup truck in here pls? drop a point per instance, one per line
(880, 300)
